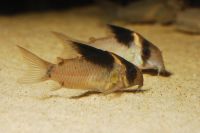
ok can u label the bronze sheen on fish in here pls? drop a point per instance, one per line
(90, 69)
(131, 46)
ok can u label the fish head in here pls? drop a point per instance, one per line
(152, 57)
(147, 55)
(133, 74)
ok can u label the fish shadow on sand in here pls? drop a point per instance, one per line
(89, 93)
(155, 73)
(118, 93)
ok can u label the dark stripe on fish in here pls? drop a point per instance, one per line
(96, 56)
(122, 35)
(131, 71)
(146, 52)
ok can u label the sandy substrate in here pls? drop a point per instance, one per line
(171, 104)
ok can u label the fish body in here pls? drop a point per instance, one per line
(92, 69)
(131, 46)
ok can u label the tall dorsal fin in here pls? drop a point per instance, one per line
(123, 35)
(91, 54)
(67, 42)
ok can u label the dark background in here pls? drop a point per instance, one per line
(10, 7)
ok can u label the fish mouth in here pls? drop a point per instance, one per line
(159, 67)
(155, 68)
(161, 70)
(154, 72)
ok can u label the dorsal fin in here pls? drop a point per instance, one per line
(81, 49)
(123, 35)
(67, 42)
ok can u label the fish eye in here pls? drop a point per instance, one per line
(146, 52)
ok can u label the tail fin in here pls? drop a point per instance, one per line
(37, 67)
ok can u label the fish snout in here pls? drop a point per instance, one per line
(155, 63)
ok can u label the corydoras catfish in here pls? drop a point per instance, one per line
(131, 46)
(90, 69)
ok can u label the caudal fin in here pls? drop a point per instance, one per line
(37, 67)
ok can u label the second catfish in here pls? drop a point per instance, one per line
(130, 45)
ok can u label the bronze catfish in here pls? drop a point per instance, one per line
(90, 69)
